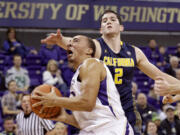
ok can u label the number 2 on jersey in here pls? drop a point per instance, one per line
(118, 75)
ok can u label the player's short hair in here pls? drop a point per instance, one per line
(92, 46)
(111, 11)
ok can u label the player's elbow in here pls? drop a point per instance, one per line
(89, 108)
(88, 105)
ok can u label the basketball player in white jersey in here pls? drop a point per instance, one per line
(94, 99)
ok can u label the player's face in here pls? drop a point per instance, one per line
(25, 103)
(76, 49)
(110, 24)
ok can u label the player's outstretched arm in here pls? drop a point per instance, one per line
(62, 41)
(57, 39)
(151, 70)
(163, 87)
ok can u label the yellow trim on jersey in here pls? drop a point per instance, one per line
(119, 62)
(121, 43)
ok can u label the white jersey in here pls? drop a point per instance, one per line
(108, 107)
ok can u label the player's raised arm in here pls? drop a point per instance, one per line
(62, 41)
(57, 38)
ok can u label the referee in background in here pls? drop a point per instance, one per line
(28, 123)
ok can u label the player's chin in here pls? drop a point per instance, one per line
(70, 64)
(110, 32)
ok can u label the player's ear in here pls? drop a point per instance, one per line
(121, 28)
(89, 51)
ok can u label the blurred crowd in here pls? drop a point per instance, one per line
(23, 68)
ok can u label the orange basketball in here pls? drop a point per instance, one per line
(49, 111)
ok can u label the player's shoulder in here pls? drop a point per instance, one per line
(92, 63)
(127, 44)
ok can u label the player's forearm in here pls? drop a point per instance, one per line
(64, 42)
(175, 88)
(170, 79)
(74, 103)
(71, 121)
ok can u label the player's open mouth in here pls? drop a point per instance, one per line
(69, 53)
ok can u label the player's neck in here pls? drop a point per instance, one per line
(113, 41)
(79, 62)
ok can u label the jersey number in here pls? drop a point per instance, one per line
(118, 75)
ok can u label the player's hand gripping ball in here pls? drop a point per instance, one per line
(48, 112)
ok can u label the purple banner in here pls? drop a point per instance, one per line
(152, 16)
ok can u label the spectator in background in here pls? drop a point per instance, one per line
(162, 113)
(178, 105)
(171, 124)
(19, 74)
(153, 99)
(9, 127)
(177, 53)
(164, 54)
(135, 89)
(2, 82)
(178, 73)
(178, 113)
(144, 109)
(156, 119)
(60, 129)
(48, 52)
(153, 54)
(52, 76)
(135, 92)
(174, 64)
(151, 129)
(28, 123)
(13, 46)
(10, 100)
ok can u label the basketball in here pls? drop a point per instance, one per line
(49, 111)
